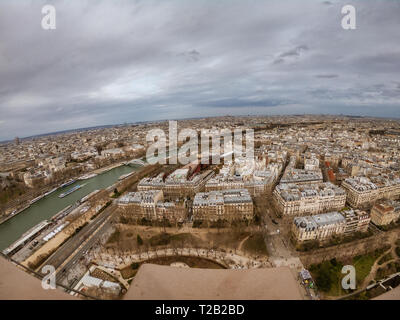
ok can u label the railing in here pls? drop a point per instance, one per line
(41, 276)
(378, 283)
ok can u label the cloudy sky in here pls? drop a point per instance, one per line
(112, 62)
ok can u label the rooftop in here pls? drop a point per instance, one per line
(311, 223)
(301, 175)
(294, 192)
(372, 183)
(222, 196)
(387, 205)
(139, 197)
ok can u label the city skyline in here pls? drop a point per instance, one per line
(216, 151)
(318, 190)
(102, 126)
(112, 63)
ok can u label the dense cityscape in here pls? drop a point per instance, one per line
(320, 192)
(193, 159)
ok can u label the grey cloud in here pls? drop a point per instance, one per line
(119, 61)
(235, 103)
(294, 52)
(278, 61)
(326, 76)
(192, 55)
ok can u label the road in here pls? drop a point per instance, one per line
(76, 256)
(275, 240)
(71, 245)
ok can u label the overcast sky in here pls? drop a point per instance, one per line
(112, 62)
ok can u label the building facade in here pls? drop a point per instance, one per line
(229, 205)
(318, 227)
(312, 198)
(356, 220)
(150, 206)
(324, 226)
(363, 191)
(178, 184)
(256, 176)
(311, 172)
(385, 212)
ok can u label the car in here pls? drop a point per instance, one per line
(274, 221)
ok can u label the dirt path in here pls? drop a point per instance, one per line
(239, 248)
(368, 278)
(374, 269)
(376, 266)
(372, 274)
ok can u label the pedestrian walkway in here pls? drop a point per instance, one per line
(230, 260)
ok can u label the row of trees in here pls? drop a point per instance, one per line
(344, 250)
(146, 252)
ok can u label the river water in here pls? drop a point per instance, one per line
(48, 206)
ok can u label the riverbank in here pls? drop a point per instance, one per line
(52, 188)
(108, 168)
(13, 227)
(13, 214)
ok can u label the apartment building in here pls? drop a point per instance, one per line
(255, 176)
(150, 205)
(35, 179)
(311, 164)
(318, 227)
(230, 205)
(155, 183)
(356, 220)
(178, 184)
(259, 183)
(385, 212)
(181, 183)
(363, 191)
(311, 172)
(333, 158)
(311, 198)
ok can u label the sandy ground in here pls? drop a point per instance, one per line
(165, 283)
(17, 284)
(47, 247)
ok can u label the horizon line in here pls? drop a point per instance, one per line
(188, 118)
